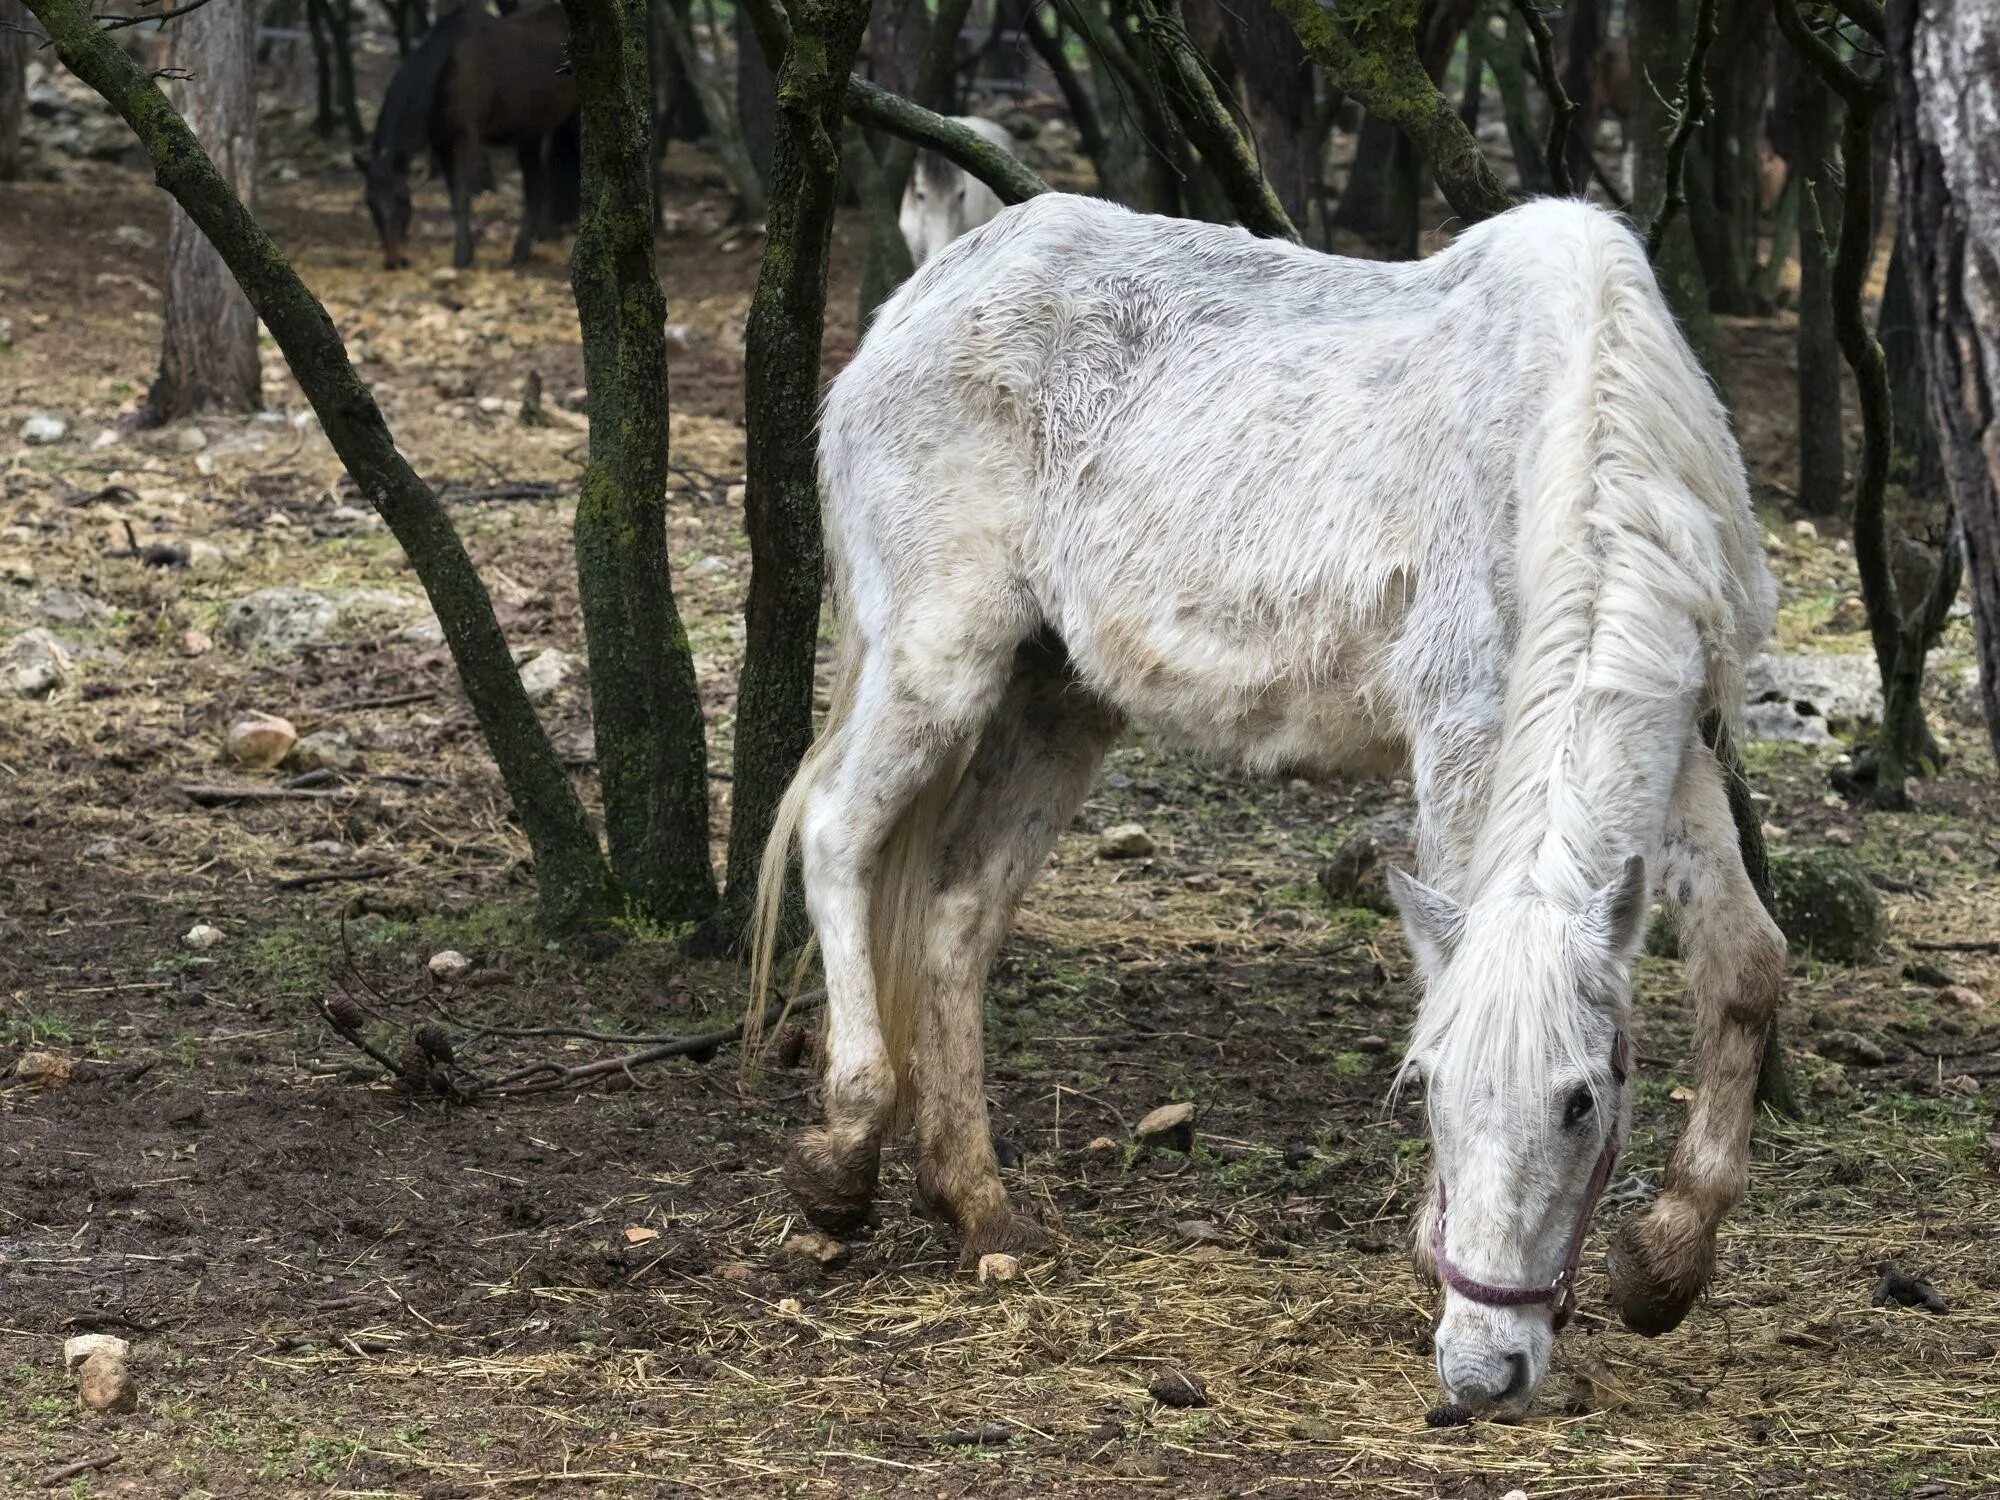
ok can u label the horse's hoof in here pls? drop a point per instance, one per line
(833, 1182)
(1007, 1233)
(1653, 1290)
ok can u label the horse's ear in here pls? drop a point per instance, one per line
(1617, 913)
(360, 160)
(1433, 920)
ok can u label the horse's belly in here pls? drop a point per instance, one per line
(1325, 713)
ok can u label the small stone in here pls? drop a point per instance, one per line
(449, 965)
(1371, 1043)
(79, 1348)
(1171, 1126)
(1840, 838)
(101, 849)
(810, 1244)
(44, 427)
(444, 276)
(1964, 1085)
(1805, 530)
(998, 1267)
(278, 618)
(1314, 1430)
(325, 750)
(492, 405)
(791, 1307)
(260, 740)
(1852, 1047)
(132, 237)
(1682, 1094)
(43, 1070)
(34, 664)
(680, 338)
(190, 440)
(1962, 996)
(1102, 1143)
(545, 673)
(1179, 1389)
(196, 643)
(105, 1383)
(735, 1270)
(1515, 1495)
(1201, 1232)
(201, 936)
(1124, 841)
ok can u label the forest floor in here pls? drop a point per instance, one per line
(332, 1290)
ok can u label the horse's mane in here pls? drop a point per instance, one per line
(403, 128)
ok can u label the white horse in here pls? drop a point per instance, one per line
(942, 200)
(1480, 516)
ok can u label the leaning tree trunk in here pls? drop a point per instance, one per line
(1802, 133)
(569, 873)
(651, 750)
(781, 348)
(208, 341)
(15, 45)
(1946, 56)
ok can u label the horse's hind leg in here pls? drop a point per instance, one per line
(1028, 776)
(1735, 964)
(915, 706)
(534, 201)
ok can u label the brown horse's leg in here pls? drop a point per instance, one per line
(462, 164)
(1735, 959)
(1028, 776)
(534, 200)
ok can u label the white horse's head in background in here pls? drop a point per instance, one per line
(1521, 1043)
(943, 201)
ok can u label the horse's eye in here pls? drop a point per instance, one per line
(1578, 1107)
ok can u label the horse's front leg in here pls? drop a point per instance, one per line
(534, 200)
(1735, 965)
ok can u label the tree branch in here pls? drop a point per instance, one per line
(872, 105)
(1693, 105)
(1562, 110)
(1378, 64)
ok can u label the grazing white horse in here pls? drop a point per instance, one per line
(942, 200)
(1479, 515)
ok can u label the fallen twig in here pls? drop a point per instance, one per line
(330, 877)
(82, 1466)
(204, 795)
(1957, 945)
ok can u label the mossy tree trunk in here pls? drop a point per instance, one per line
(651, 748)
(782, 346)
(1803, 133)
(569, 872)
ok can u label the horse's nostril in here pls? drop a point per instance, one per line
(1517, 1377)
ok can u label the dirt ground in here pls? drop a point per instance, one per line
(332, 1290)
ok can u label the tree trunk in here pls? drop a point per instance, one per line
(208, 346)
(324, 121)
(1946, 54)
(756, 101)
(1511, 70)
(15, 45)
(1583, 39)
(1723, 208)
(782, 345)
(1661, 36)
(1278, 98)
(1802, 130)
(651, 750)
(569, 873)
(719, 102)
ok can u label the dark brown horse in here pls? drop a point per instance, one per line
(477, 81)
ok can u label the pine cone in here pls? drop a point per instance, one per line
(434, 1043)
(344, 1013)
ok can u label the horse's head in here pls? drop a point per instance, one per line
(385, 177)
(1521, 1042)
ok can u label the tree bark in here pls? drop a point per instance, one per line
(1010, 178)
(756, 101)
(1661, 43)
(1278, 98)
(782, 347)
(569, 873)
(208, 344)
(15, 45)
(1803, 129)
(1946, 56)
(651, 748)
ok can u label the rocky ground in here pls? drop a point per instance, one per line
(329, 1289)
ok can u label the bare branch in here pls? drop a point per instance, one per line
(1688, 112)
(1562, 109)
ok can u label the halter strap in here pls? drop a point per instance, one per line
(1560, 1293)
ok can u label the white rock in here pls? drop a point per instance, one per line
(450, 964)
(260, 740)
(325, 750)
(105, 1383)
(132, 237)
(201, 935)
(77, 1350)
(1844, 688)
(547, 672)
(279, 619)
(998, 1267)
(1805, 529)
(66, 606)
(1124, 841)
(492, 405)
(44, 427)
(34, 664)
(190, 440)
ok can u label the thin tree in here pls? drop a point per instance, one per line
(1802, 133)
(651, 744)
(1946, 57)
(15, 43)
(208, 337)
